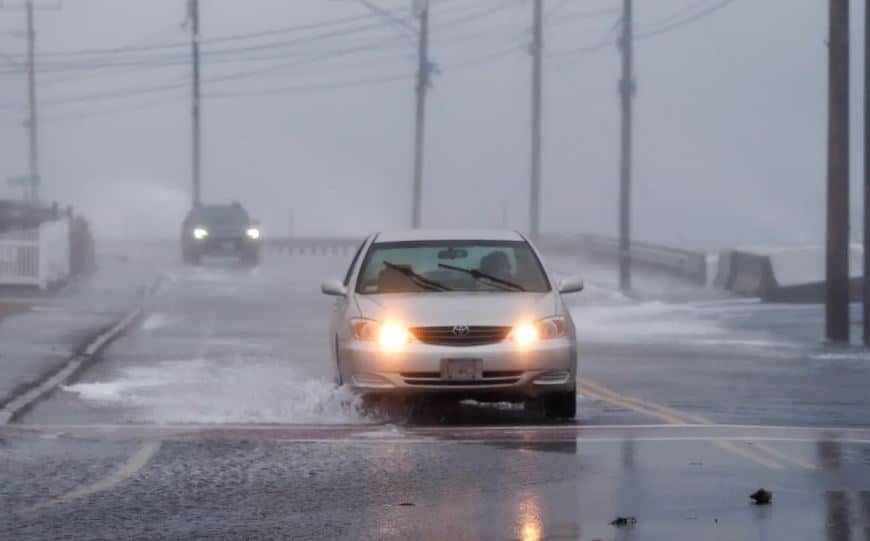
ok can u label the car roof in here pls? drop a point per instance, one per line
(411, 235)
(208, 211)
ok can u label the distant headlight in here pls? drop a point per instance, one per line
(389, 335)
(529, 333)
(253, 233)
(200, 233)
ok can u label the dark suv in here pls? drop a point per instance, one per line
(220, 230)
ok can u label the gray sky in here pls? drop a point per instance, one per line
(730, 141)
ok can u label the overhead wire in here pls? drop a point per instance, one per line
(658, 29)
(671, 23)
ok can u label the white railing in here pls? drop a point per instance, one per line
(36, 257)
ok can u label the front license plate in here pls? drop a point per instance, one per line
(461, 369)
(229, 246)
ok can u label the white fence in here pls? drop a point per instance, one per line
(36, 257)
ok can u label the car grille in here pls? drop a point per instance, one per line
(446, 336)
(490, 377)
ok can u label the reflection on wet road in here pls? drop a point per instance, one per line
(218, 417)
(376, 482)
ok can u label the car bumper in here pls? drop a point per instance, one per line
(506, 371)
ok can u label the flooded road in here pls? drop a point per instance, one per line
(217, 415)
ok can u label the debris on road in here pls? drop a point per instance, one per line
(623, 521)
(761, 496)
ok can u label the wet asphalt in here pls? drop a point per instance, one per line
(217, 418)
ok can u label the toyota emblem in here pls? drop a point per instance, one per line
(461, 330)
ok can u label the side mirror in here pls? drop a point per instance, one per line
(571, 284)
(333, 288)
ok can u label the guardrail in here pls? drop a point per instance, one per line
(685, 264)
(344, 246)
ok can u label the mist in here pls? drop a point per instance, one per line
(730, 120)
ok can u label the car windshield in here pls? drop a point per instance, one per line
(221, 214)
(444, 266)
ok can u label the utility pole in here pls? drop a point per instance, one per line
(420, 121)
(537, 52)
(196, 103)
(33, 122)
(866, 287)
(837, 260)
(626, 91)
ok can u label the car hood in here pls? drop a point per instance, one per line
(438, 309)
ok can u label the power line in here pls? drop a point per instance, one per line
(659, 30)
(228, 55)
(279, 91)
(182, 45)
(136, 91)
(689, 20)
(224, 39)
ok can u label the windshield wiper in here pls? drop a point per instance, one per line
(477, 275)
(418, 279)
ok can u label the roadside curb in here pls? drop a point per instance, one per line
(88, 353)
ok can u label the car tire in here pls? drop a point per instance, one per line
(339, 380)
(558, 406)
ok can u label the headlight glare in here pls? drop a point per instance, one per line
(200, 233)
(253, 233)
(528, 333)
(393, 336)
(389, 335)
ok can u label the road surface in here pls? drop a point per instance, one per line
(217, 417)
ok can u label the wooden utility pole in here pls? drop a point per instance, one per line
(866, 298)
(537, 52)
(420, 118)
(33, 122)
(626, 91)
(837, 249)
(196, 103)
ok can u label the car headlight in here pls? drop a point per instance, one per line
(253, 233)
(200, 233)
(528, 333)
(389, 335)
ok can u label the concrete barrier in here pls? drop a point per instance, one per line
(784, 274)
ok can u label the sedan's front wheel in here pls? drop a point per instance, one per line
(558, 406)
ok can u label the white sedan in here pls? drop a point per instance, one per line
(470, 313)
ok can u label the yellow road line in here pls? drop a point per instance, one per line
(136, 462)
(633, 407)
(732, 447)
(674, 417)
(590, 385)
(786, 458)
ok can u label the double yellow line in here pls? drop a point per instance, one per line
(755, 452)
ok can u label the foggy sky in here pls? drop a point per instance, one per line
(730, 119)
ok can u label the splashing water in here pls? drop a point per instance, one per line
(243, 390)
